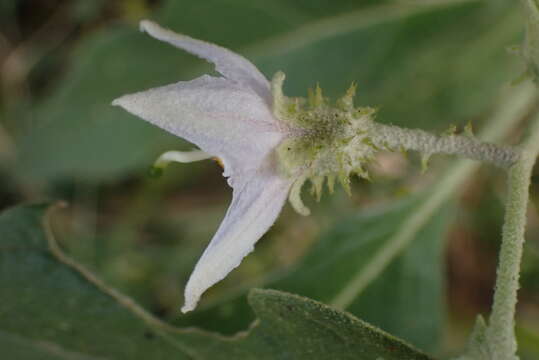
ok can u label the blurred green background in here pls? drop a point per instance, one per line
(428, 64)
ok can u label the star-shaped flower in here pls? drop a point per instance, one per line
(269, 145)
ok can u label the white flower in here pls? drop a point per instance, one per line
(268, 143)
(229, 117)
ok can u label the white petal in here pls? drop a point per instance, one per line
(218, 115)
(257, 201)
(231, 65)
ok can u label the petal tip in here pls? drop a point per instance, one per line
(117, 102)
(191, 301)
(121, 101)
(157, 31)
(187, 308)
(146, 25)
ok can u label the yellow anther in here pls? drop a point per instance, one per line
(218, 161)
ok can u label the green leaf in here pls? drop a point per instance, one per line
(405, 299)
(305, 329)
(50, 311)
(417, 75)
(408, 298)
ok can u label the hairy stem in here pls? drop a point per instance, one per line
(513, 105)
(500, 333)
(397, 138)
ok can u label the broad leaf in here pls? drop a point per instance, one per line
(50, 311)
(407, 297)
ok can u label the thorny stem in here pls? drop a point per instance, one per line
(500, 334)
(397, 138)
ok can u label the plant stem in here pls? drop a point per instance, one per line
(514, 104)
(500, 333)
(397, 138)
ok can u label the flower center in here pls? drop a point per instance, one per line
(326, 140)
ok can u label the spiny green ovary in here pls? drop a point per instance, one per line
(327, 140)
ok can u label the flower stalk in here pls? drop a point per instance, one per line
(466, 145)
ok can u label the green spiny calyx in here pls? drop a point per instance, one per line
(326, 140)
